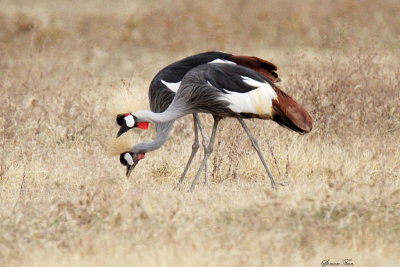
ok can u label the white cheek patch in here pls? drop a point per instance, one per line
(130, 121)
(128, 158)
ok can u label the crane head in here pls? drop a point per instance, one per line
(129, 121)
(130, 160)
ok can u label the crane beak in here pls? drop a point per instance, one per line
(122, 130)
(129, 168)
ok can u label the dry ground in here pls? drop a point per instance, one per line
(64, 201)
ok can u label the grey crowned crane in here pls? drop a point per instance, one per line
(224, 90)
(165, 85)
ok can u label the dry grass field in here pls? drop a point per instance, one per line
(65, 202)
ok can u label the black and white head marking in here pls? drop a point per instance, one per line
(128, 159)
(129, 120)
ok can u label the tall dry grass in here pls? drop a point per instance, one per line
(64, 201)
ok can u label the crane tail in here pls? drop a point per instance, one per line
(290, 114)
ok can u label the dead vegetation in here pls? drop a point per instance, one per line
(64, 200)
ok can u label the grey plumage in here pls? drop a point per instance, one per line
(198, 95)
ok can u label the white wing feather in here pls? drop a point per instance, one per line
(172, 86)
(222, 61)
(257, 101)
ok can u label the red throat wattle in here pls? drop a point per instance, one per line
(143, 125)
(142, 156)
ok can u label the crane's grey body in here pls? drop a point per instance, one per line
(161, 96)
(204, 89)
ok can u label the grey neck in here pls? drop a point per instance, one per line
(163, 131)
(172, 113)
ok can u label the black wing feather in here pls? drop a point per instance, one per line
(227, 77)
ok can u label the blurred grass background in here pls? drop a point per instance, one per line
(64, 200)
(206, 25)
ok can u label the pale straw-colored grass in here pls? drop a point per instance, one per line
(65, 201)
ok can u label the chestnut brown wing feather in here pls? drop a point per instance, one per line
(260, 65)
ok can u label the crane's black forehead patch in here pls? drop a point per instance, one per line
(120, 119)
(122, 159)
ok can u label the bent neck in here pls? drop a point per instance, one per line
(163, 131)
(170, 114)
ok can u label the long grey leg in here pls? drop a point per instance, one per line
(195, 148)
(206, 142)
(254, 142)
(207, 152)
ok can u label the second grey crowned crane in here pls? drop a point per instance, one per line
(224, 90)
